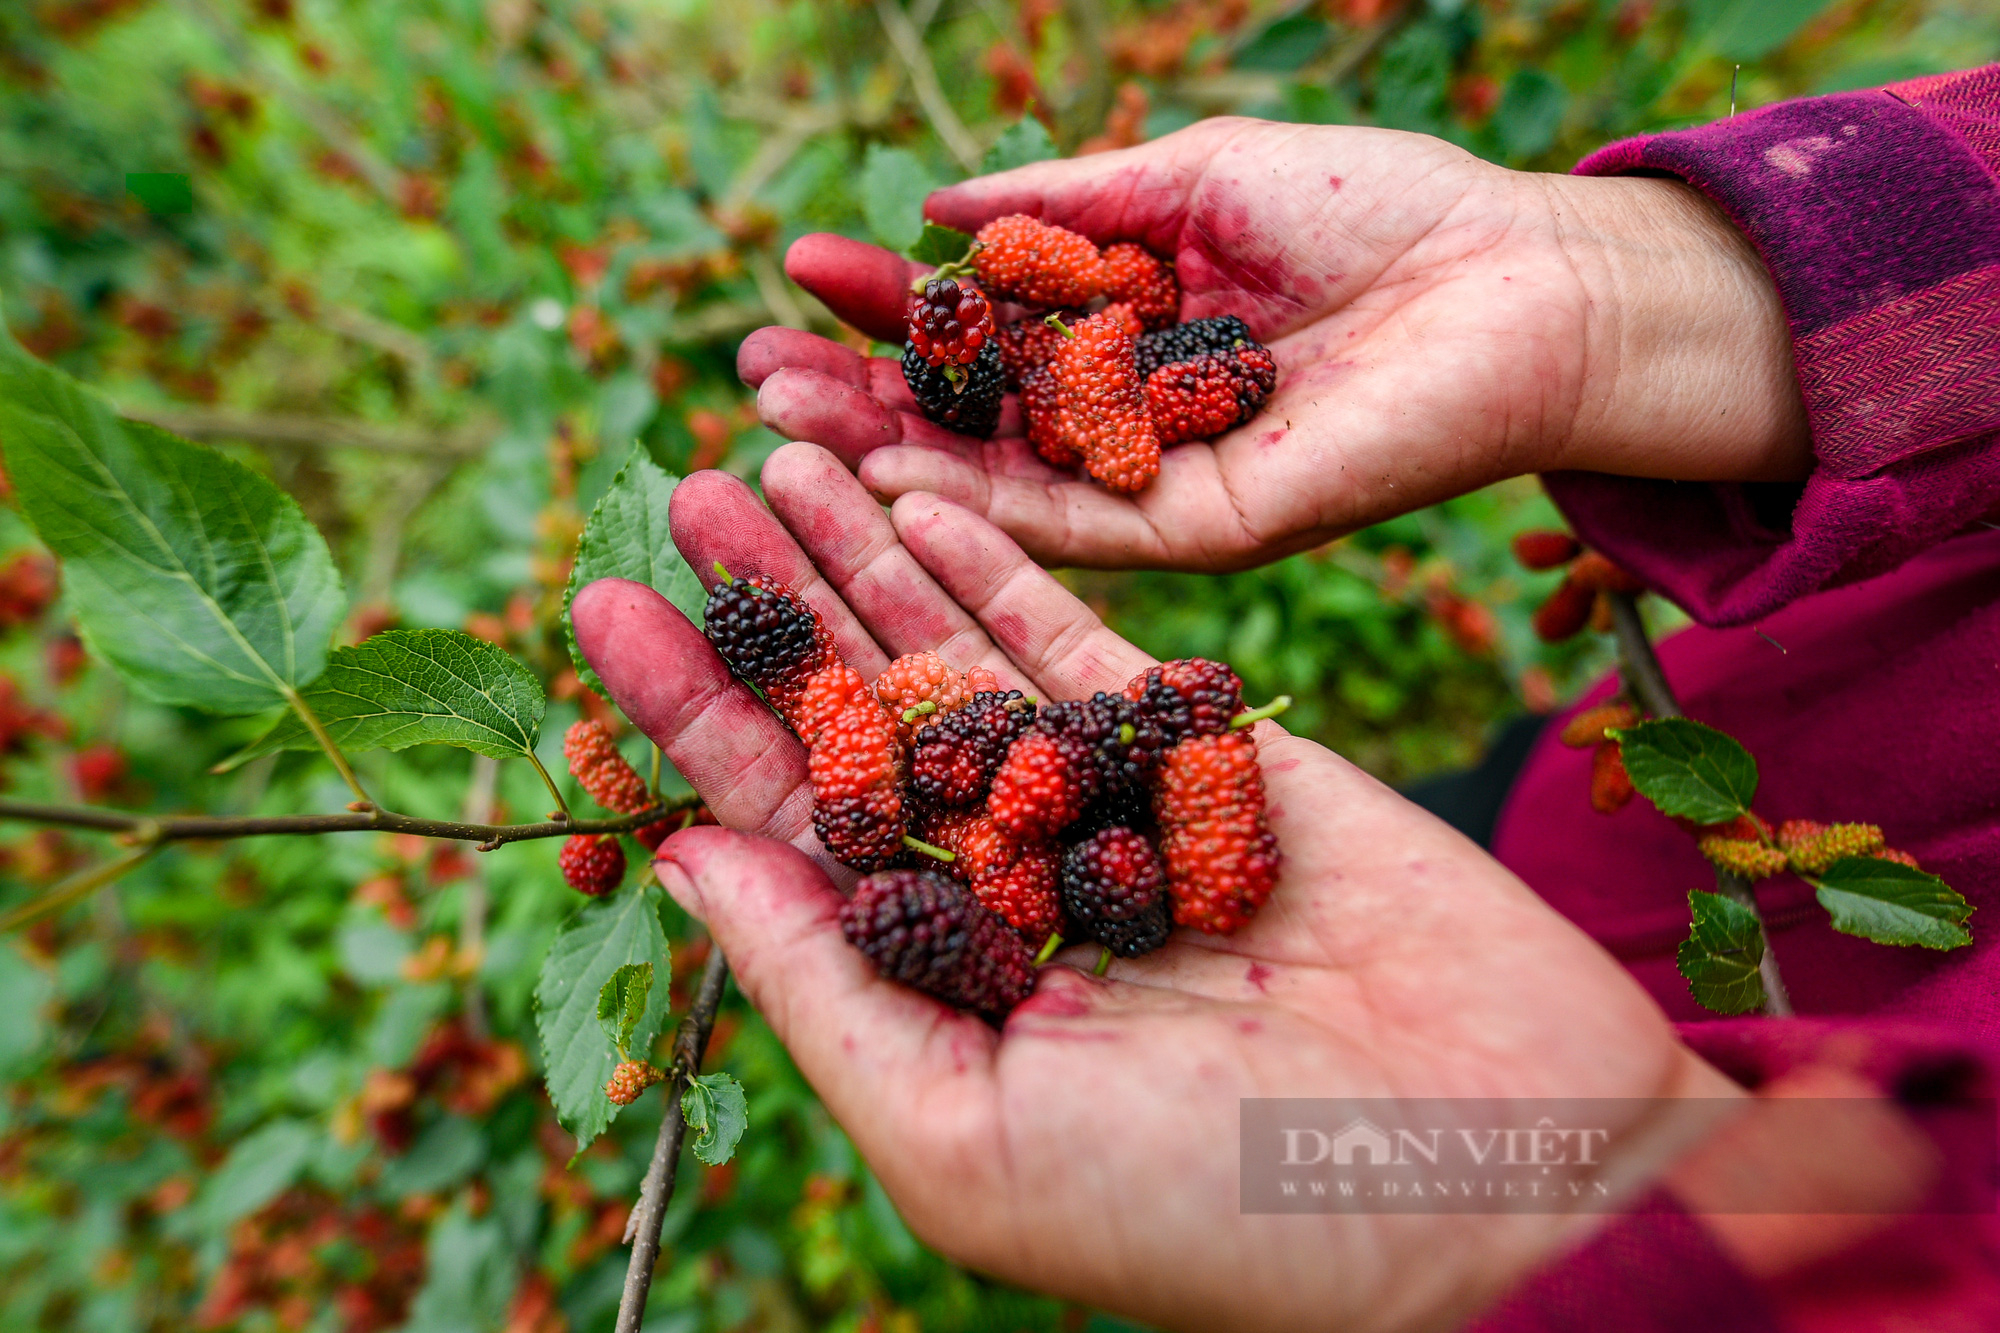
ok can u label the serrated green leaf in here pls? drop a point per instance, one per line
(715, 1109)
(621, 1003)
(200, 581)
(1721, 954)
(602, 937)
(894, 185)
(407, 687)
(940, 245)
(1018, 145)
(627, 538)
(1891, 903)
(1689, 771)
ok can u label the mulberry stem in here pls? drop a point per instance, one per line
(1640, 666)
(917, 845)
(1256, 715)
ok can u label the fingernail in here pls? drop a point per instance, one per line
(675, 879)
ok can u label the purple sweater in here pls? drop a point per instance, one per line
(1878, 214)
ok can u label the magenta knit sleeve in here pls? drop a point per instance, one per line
(1878, 214)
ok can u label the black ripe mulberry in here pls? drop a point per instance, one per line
(1185, 342)
(1190, 696)
(762, 629)
(1114, 890)
(954, 759)
(929, 932)
(971, 406)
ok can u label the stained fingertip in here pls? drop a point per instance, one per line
(865, 285)
(769, 350)
(705, 503)
(886, 382)
(808, 405)
(689, 862)
(818, 499)
(1038, 623)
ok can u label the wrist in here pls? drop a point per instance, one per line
(1686, 1104)
(1818, 1162)
(1688, 371)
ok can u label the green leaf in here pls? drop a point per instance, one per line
(470, 1274)
(1721, 954)
(1749, 30)
(1892, 903)
(446, 1153)
(25, 990)
(940, 245)
(1530, 114)
(1689, 771)
(200, 581)
(602, 937)
(621, 1003)
(1018, 145)
(627, 538)
(894, 185)
(1286, 44)
(259, 1168)
(407, 687)
(714, 1107)
(161, 193)
(1413, 78)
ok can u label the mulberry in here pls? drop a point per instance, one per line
(1221, 858)
(929, 932)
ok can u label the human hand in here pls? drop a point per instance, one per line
(1439, 324)
(1090, 1148)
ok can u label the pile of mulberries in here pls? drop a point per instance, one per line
(994, 828)
(1106, 375)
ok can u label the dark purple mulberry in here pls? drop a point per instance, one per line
(1185, 342)
(953, 762)
(929, 932)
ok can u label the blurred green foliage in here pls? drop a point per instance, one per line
(432, 265)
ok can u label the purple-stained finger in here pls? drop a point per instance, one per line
(863, 284)
(717, 517)
(854, 546)
(809, 405)
(1133, 194)
(1057, 518)
(769, 350)
(1057, 640)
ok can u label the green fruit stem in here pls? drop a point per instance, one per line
(1256, 715)
(916, 845)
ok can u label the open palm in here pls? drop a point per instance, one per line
(1090, 1148)
(1439, 324)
